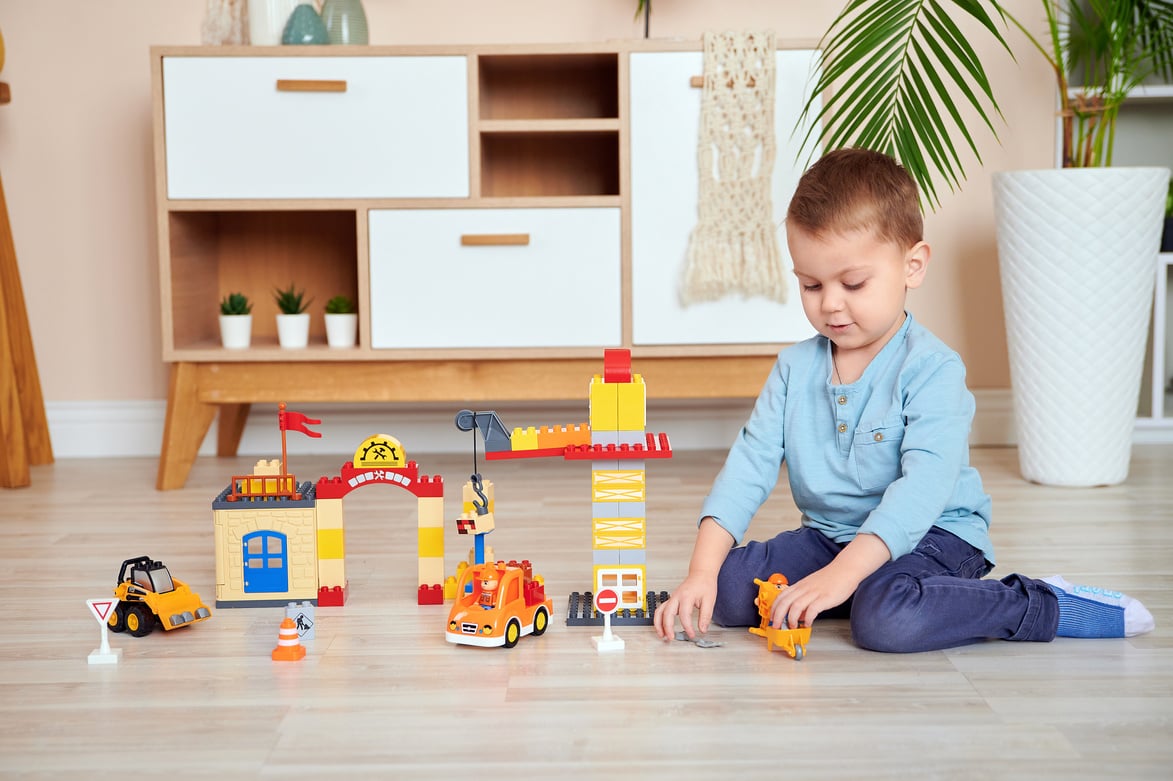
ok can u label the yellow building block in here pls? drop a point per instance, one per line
(618, 485)
(331, 544)
(604, 399)
(632, 398)
(618, 533)
(431, 542)
(524, 439)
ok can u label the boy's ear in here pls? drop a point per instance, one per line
(916, 264)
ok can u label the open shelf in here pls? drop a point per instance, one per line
(549, 86)
(543, 164)
(214, 253)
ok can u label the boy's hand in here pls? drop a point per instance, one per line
(697, 593)
(800, 603)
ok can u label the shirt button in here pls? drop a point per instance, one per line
(878, 437)
(842, 399)
(842, 428)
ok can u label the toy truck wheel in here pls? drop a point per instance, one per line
(799, 652)
(512, 632)
(117, 622)
(541, 621)
(140, 621)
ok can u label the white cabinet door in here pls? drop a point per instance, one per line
(560, 289)
(400, 130)
(665, 124)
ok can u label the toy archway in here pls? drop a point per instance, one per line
(380, 459)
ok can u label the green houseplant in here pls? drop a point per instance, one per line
(341, 322)
(236, 321)
(293, 321)
(1076, 273)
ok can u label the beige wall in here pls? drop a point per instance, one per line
(75, 153)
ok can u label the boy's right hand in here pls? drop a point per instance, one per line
(696, 594)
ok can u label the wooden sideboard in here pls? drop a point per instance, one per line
(501, 214)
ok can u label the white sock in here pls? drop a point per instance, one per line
(1087, 611)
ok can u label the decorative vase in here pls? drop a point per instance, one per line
(236, 331)
(346, 22)
(305, 26)
(267, 20)
(1077, 248)
(293, 331)
(341, 330)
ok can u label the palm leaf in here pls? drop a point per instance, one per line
(889, 72)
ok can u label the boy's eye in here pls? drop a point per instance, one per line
(811, 288)
(856, 286)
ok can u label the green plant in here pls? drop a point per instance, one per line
(235, 304)
(290, 300)
(1169, 201)
(897, 65)
(340, 305)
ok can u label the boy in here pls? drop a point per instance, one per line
(872, 417)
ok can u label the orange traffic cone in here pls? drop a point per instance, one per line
(289, 647)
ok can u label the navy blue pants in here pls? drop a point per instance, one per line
(934, 597)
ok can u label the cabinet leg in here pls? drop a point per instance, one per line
(231, 428)
(187, 423)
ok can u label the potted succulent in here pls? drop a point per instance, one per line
(341, 322)
(293, 321)
(236, 321)
(900, 70)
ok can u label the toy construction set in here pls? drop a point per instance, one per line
(281, 542)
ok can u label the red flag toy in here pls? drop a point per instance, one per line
(295, 421)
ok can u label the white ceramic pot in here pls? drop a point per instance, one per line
(293, 331)
(236, 331)
(1077, 249)
(266, 20)
(341, 330)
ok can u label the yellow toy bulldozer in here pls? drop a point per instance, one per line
(148, 595)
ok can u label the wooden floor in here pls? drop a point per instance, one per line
(381, 695)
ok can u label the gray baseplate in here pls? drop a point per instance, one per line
(581, 611)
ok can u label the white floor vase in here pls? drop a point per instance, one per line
(1077, 250)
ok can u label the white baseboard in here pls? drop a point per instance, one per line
(100, 429)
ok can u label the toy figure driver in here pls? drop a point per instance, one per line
(489, 584)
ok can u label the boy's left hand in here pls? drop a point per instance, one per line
(801, 602)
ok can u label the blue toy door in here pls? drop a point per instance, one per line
(266, 562)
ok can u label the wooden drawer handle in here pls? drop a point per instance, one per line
(494, 239)
(310, 85)
(697, 81)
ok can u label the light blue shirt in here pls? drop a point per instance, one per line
(886, 455)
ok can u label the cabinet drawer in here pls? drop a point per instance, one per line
(398, 130)
(561, 288)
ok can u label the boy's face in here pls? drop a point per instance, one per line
(853, 286)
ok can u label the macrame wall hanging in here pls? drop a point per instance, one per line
(734, 246)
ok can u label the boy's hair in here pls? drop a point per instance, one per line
(850, 190)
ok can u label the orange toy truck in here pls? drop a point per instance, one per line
(497, 604)
(792, 641)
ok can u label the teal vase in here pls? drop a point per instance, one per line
(346, 22)
(305, 27)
